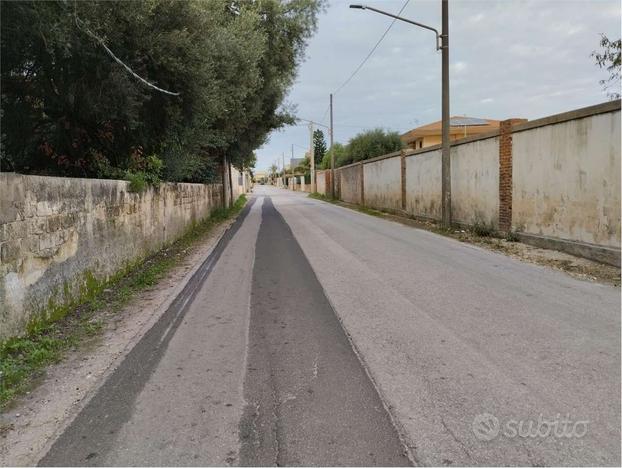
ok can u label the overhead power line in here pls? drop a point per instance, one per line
(356, 70)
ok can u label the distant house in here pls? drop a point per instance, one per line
(261, 176)
(460, 127)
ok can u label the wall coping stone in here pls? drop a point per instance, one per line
(605, 107)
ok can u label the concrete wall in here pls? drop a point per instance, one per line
(475, 182)
(320, 181)
(554, 181)
(566, 180)
(423, 184)
(383, 186)
(59, 234)
(350, 183)
(241, 182)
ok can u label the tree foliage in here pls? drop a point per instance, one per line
(340, 155)
(609, 59)
(365, 145)
(68, 108)
(319, 146)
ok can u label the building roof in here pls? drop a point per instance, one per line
(474, 125)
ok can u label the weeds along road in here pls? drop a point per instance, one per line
(316, 335)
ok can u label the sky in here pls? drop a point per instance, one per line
(508, 58)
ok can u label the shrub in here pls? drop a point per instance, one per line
(371, 144)
(137, 181)
(482, 229)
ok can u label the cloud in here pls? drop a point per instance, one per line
(458, 67)
(476, 18)
(509, 59)
(530, 50)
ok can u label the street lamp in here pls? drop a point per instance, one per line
(442, 43)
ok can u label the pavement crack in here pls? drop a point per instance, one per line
(458, 441)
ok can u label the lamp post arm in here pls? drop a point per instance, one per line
(439, 45)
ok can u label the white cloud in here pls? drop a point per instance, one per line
(458, 67)
(530, 50)
(567, 28)
(476, 18)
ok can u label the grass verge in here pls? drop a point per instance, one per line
(23, 358)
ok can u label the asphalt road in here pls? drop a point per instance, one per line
(315, 335)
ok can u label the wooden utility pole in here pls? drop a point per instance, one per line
(312, 157)
(332, 153)
(446, 155)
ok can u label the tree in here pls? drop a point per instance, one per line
(319, 146)
(371, 144)
(609, 59)
(69, 108)
(304, 167)
(339, 151)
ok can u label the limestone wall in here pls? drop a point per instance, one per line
(59, 234)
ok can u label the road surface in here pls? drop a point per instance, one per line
(316, 335)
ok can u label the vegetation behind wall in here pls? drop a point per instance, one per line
(103, 88)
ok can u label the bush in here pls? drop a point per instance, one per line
(371, 144)
(137, 181)
(144, 172)
(482, 229)
(339, 150)
(363, 146)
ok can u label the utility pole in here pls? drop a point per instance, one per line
(446, 155)
(283, 171)
(312, 157)
(442, 43)
(332, 153)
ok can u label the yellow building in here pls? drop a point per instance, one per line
(460, 127)
(261, 177)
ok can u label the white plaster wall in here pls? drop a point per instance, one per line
(383, 183)
(566, 180)
(320, 182)
(423, 184)
(350, 183)
(475, 182)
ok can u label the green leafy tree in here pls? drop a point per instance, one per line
(69, 107)
(319, 146)
(609, 59)
(304, 167)
(371, 144)
(274, 169)
(339, 151)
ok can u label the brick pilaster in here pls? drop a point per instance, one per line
(403, 177)
(505, 174)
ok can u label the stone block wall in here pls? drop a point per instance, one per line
(56, 233)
